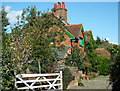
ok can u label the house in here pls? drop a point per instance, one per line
(74, 34)
(88, 36)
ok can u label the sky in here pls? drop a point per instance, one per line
(100, 17)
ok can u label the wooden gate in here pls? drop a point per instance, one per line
(33, 81)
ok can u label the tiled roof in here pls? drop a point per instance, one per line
(103, 52)
(74, 29)
(87, 32)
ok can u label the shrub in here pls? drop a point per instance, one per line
(75, 59)
(115, 73)
(67, 77)
(103, 65)
(80, 82)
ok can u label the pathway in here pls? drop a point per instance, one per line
(100, 82)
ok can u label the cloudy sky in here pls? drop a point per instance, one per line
(100, 17)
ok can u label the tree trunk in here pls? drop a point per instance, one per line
(39, 66)
(39, 73)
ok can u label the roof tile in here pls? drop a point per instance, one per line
(74, 29)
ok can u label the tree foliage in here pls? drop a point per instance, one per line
(75, 59)
(31, 41)
(115, 73)
(67, 77)
(98, 63)
(98, 41)
(28, 46)
(5, 21)
(7, 62)
(113, 51)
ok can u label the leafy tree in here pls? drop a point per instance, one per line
(75, 59)
(102, 44)
(98, 63)
(115, 73)
(98, 41)
(106, 40)
(7, 62)
(103, 65)
(4, 19)
(113, 51)
(89, 47)
(31, 41)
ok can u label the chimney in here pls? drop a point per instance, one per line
(59, 5)
(55, 5)
(63, 5)
(60, 11)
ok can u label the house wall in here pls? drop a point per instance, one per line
(67, 41)
(77, 44)
(87, 37)
(81, 35)
(67, 38)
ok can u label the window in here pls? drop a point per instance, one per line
(81, 41)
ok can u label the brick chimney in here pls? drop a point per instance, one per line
(55, 5)
(60, 11)
(59, 5)
(63, 5)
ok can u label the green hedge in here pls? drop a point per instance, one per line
(67, 77)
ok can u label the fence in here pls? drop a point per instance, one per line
(49, 81)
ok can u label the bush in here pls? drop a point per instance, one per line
(100, 64)
(103, 65)
(80, 82)
(75, 59)
(67, 77)
(115, 74)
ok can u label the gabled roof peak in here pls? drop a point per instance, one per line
(74, 25)
(74, 29)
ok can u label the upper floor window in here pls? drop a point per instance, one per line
(81, 41)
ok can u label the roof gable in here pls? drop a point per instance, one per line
(75, 29)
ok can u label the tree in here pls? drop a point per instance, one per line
(98, 63)
(113, 51)
(31, 41)
(115, 73)
(5, 21)
(75, 59)
(103, 65)
(7, 63)
(98, 41)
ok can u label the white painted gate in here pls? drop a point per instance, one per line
(55, 80)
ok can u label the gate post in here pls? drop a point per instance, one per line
(61, 80)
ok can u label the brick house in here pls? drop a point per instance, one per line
(74, 34)
(88, 36)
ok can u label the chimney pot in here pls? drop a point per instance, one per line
(63, 5)
(59, 5)
(55, 5)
